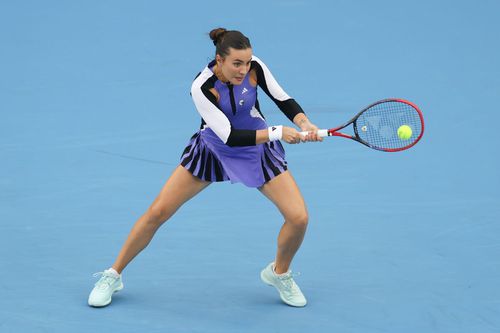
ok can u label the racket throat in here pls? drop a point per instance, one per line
(343, 135)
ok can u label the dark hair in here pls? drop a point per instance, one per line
(224, 39)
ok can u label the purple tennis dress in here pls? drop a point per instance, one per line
(224, 148)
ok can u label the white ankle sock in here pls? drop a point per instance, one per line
(112, 270)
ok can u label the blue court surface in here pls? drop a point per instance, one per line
(95, 112)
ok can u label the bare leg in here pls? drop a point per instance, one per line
(284, 193)
(179, 188)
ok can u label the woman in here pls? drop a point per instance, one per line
(234, 143)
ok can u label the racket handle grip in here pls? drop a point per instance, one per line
(321, 133)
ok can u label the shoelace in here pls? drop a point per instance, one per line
(105, 281)
(287, 280)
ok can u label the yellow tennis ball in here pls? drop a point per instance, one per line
(404, 132)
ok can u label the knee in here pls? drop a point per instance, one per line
(299, 219)
(156, 215)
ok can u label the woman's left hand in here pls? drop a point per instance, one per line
(313, 131)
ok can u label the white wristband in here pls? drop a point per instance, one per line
(275, 132)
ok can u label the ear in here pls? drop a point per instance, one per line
(219, 59)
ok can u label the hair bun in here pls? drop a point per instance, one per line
(216, 34)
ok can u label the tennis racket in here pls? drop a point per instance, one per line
(388, 125)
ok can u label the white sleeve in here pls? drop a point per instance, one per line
(273, 87)
(211, 114)
(268, 83)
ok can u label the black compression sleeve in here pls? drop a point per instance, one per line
(239, 138)
(290, 108)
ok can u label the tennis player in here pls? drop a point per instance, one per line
(234, 144)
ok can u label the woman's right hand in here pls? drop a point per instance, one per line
(291, 135)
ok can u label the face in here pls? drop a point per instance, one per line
(235, 65)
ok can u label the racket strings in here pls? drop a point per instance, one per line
(378, 125)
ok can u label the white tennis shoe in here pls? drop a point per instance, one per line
(108, 284)
(289, 291)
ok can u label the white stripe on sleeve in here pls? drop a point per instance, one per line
(274, 88)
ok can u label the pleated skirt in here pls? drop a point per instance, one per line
(209, 159)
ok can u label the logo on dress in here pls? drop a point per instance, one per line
(244, 90)
(241, 102)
